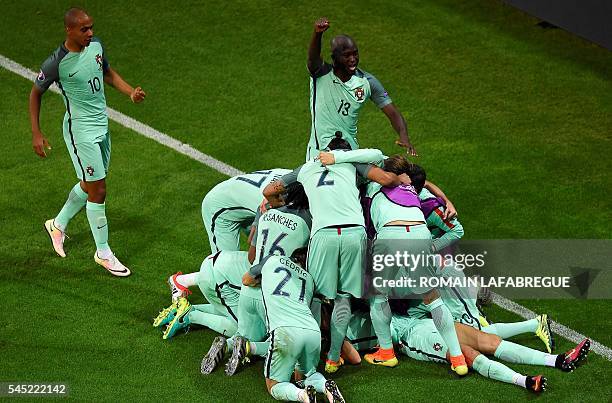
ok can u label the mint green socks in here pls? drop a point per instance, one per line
(96, 215)
(498, 371)
(339, 323)
(380, 313)
(518, 354)
(286, 391)
(445, 324)
(75, 202)
(218, 323)
(506, 330)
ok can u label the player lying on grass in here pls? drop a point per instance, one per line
(295, 338)
(419, 339)
(338, 239)
(219, 279)
(231, 206)
(278, 231)
(462, 301)
(397, 225)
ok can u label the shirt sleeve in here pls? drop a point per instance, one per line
(452, 229)
(305, 215)
(255, 225)
(255, 270)
(363, 169)
(362, 155)
(105, 64)
(291, 177)
(378, 95)
(49, 72)
(322, 70)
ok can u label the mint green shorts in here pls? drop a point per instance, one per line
(224, 223)
(289, 346)
(90, 158)
(336, 258)
(397, 239)
(223, 298)
(251, 314)
(419, 339)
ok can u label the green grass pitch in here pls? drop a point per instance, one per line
(511, 120)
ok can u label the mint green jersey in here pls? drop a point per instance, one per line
(229, 267)
(384, 211)
(241, 195)
(444, 232)
(332, 192)
(335, 105)
(281, 231)
(80, 78)
(287, 292)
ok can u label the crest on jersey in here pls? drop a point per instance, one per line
(359, 93)
(90, 170)
(99, 61)
(41, 76)
(437, 346)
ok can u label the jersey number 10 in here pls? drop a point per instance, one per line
(94, 84)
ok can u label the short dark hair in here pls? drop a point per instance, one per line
(417, 177)
(295, 197)
(299, 256)
(397, 164)
(338, 143)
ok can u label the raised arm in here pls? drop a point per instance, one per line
(450, 212)
(314, 50)
(112, 78)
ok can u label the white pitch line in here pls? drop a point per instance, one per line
(558, 328)
(228, 170)
(137, 126)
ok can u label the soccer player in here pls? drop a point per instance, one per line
(339, 90)
(461, 301)
(419, 339)
(219, 279)
(231, 206)
(79, 67)
(287, 289)
(398, 222)
(278, 231)
(338, 239)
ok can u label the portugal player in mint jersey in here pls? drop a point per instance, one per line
(295, 338)
(338, 238)
(339, 90)
(79, 67)
(232, 205)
